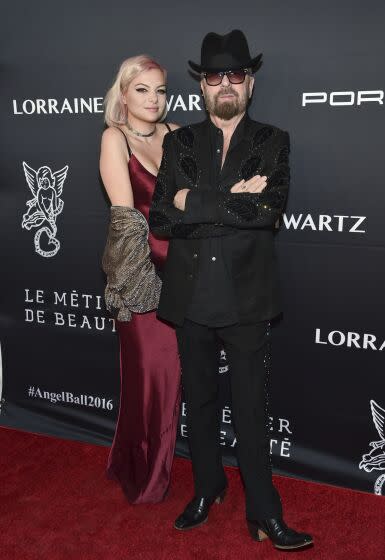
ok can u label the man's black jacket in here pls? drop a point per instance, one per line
(247, 220)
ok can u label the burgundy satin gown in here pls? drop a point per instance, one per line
(142, 451)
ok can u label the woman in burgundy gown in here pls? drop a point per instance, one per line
(142, 451)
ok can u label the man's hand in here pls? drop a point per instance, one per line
(254, 185)
(180, 199)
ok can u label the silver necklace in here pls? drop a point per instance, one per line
(137, 133)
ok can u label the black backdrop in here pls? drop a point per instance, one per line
(322, 80)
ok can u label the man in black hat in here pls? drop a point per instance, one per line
(221, 188)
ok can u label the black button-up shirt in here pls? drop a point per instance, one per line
(213, 302)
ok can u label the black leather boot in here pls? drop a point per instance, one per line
(197, 511)
(279, 533)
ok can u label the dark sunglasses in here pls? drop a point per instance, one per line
(234, 77)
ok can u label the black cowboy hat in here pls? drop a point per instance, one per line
(226, 52)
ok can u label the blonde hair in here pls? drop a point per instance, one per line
(115, 112)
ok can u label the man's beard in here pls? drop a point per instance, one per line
(226, 110)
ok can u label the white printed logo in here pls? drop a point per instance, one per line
(375, 459)
(343, 98)
(45, 205)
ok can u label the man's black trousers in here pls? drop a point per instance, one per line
(245, 347)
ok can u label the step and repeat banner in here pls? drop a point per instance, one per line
(321, 81)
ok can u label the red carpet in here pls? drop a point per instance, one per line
(55, 503)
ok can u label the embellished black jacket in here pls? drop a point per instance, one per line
(246, 221)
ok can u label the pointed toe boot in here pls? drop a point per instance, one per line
(279, 533)
(197, 511)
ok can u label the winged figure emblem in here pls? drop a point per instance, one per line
(374, 460)
(46, 204)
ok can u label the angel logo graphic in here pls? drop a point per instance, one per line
(45, 205)
(375, 459)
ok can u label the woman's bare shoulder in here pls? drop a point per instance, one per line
(113, 142)
(113, 136)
